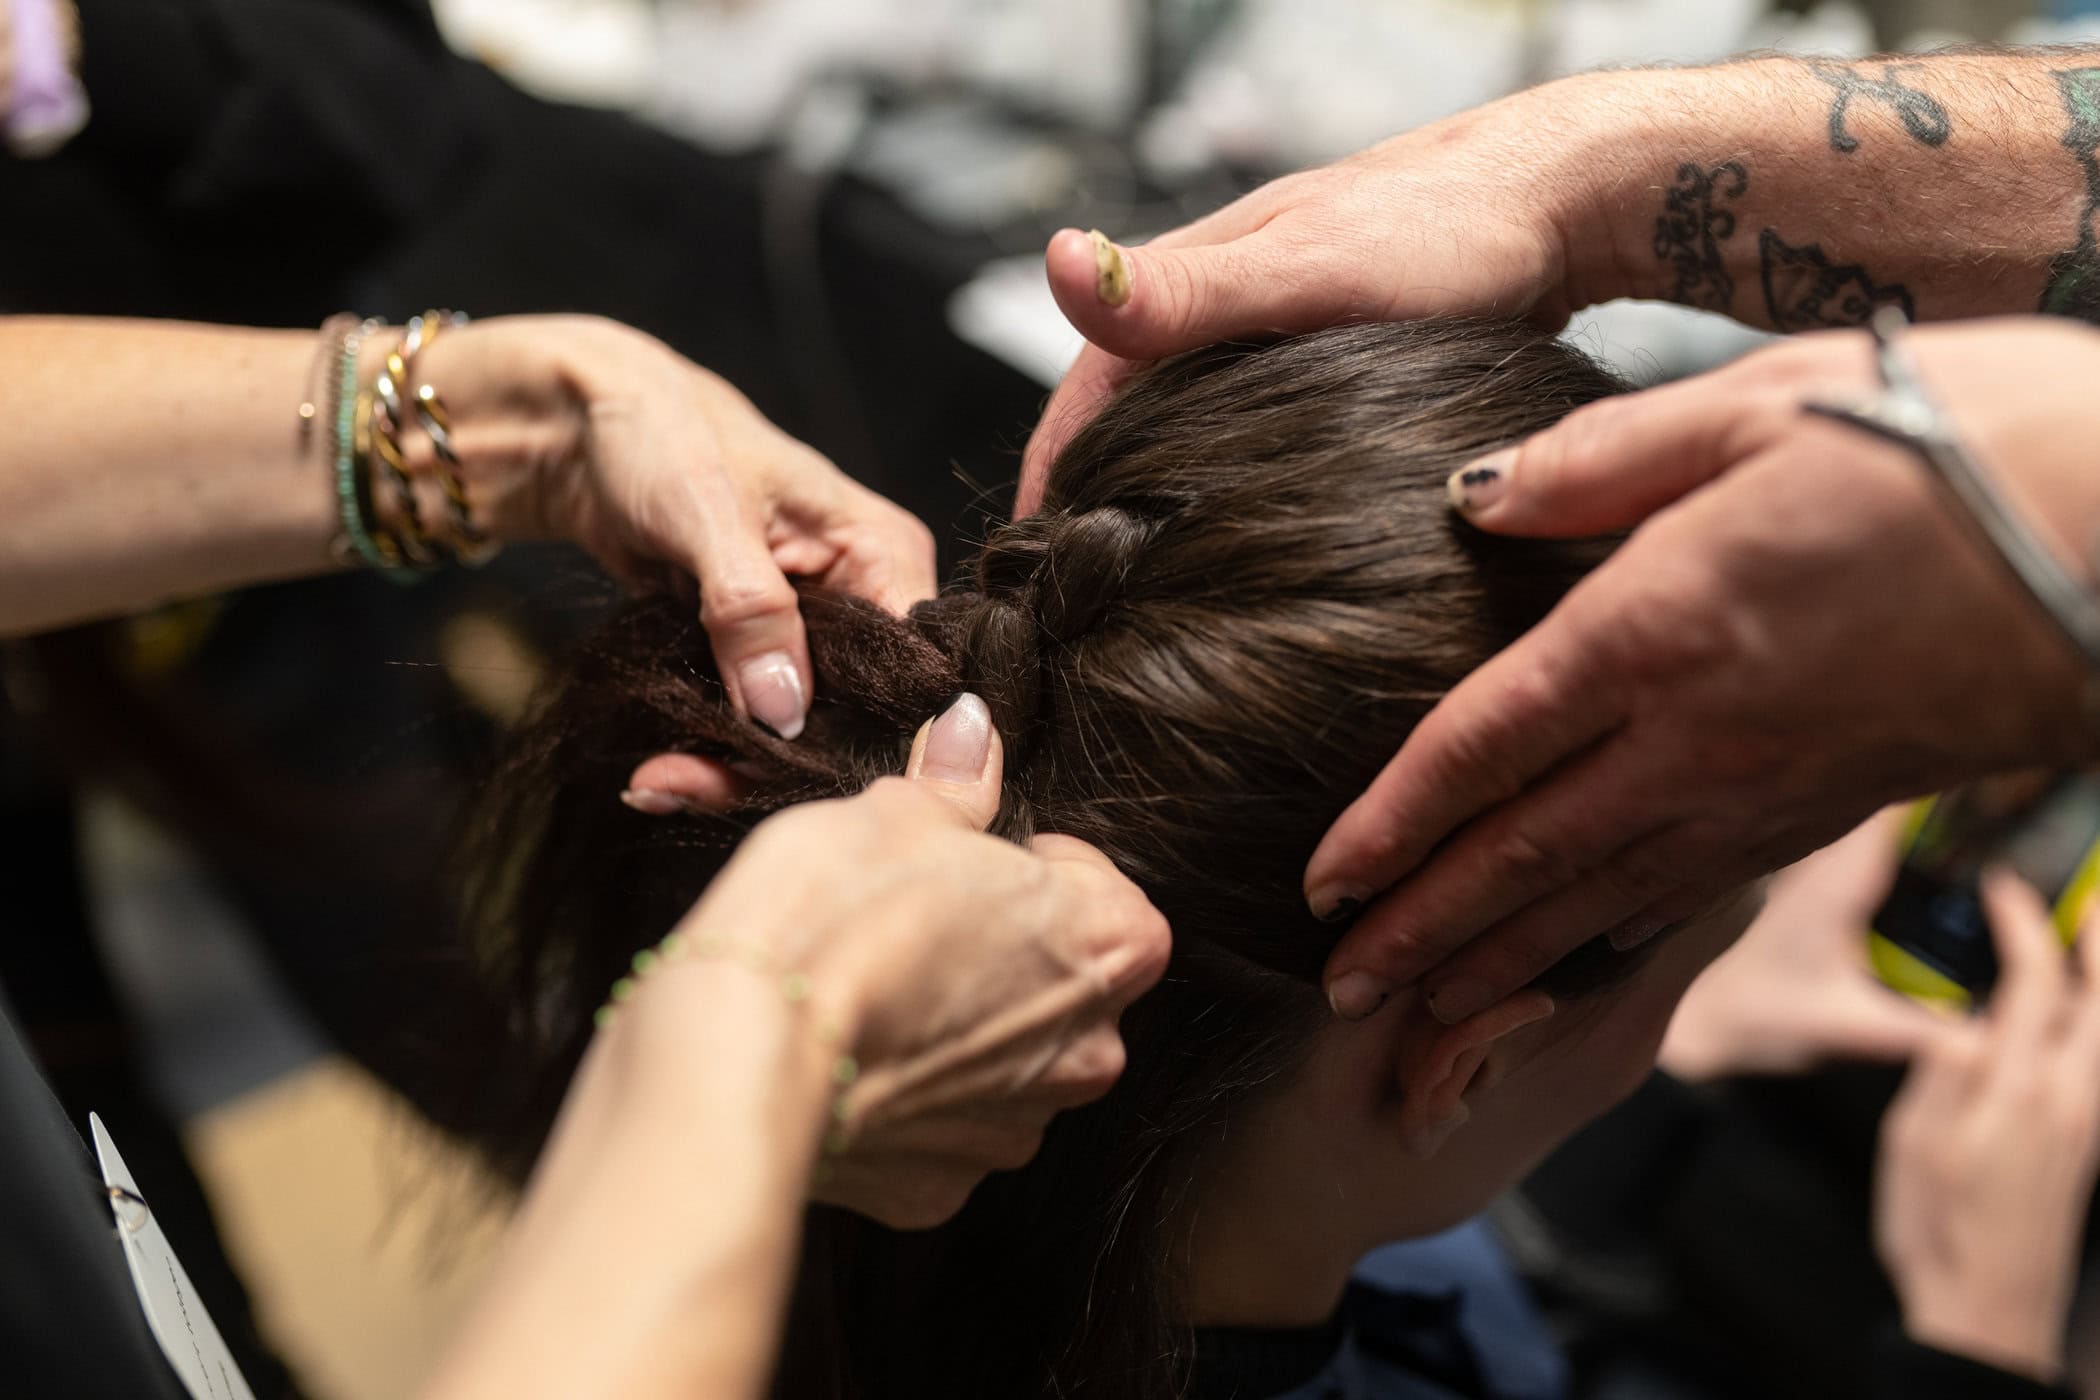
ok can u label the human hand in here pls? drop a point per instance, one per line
(1771, 657)
(1989, 1152)
(1796, 990)
(583, 429)
(1434, 222)
(977, 983)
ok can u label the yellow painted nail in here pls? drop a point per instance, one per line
(1111, 272)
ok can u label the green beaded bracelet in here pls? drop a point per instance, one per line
(349, 505)
(794, 989)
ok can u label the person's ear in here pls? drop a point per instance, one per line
(1441, 1066)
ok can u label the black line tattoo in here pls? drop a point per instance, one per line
(1691, 227)
(1923, 117)
(2073, 288)
(1805, 291)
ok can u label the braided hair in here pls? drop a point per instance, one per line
(1242, 591)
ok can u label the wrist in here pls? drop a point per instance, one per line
(1625, 136)
(671, 1190)
(518, 412)
(782, 1037)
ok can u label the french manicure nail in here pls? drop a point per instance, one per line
(960, 742)
(1355, 996)
(651, 803)
(1111, 272)
(1459, 998)
(1482, 482)
(773, 692)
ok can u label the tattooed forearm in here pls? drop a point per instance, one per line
(1923, 117)
(1691, 228)
(2073, 288)
(1805, 291)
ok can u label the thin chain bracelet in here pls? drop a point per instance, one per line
(323, 373)
(794, 988)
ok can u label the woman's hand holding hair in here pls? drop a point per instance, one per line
(981, 981)
(183, 469)
(978, 986)
(1800, 631)
(1990, 1151)
(582, 428)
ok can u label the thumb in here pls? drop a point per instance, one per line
(1149, 302)
(958, 757)
(1608, 465)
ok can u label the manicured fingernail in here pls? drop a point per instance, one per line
(1480, 483)
(1355, 996)
(1343, 909)
(1459, 998)
(651, 803)
(773, 692)
(960, 742)
(1111, 272)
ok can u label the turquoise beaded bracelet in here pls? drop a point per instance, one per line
(353, 510)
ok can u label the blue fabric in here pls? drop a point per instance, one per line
(1442, 1318)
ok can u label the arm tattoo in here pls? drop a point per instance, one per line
(1923, 117)
(1805, 291)
(2073, 288)
(1689, 231)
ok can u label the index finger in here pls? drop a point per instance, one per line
(2033, 974)
(1500, 728)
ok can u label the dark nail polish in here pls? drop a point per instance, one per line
(1345, 908)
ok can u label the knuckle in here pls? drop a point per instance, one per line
(1014, 1148)
(733, 599)
(790, 828)
(1546, 460)
(897, 799)
(1097, 1062)
(1380, 944)
(919, 1196)
(1528, 862)
(1644, 873)
(1184, 296)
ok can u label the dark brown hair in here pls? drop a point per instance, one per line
(1243, 590)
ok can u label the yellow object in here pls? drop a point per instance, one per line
(1907, 973)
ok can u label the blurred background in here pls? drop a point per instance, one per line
(839, 205)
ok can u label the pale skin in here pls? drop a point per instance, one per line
(1784, 645)
(977, 984)
(653, 1249)
(1401, 1126)
(160, 460)
(1989, 1154)
(1784, 192)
